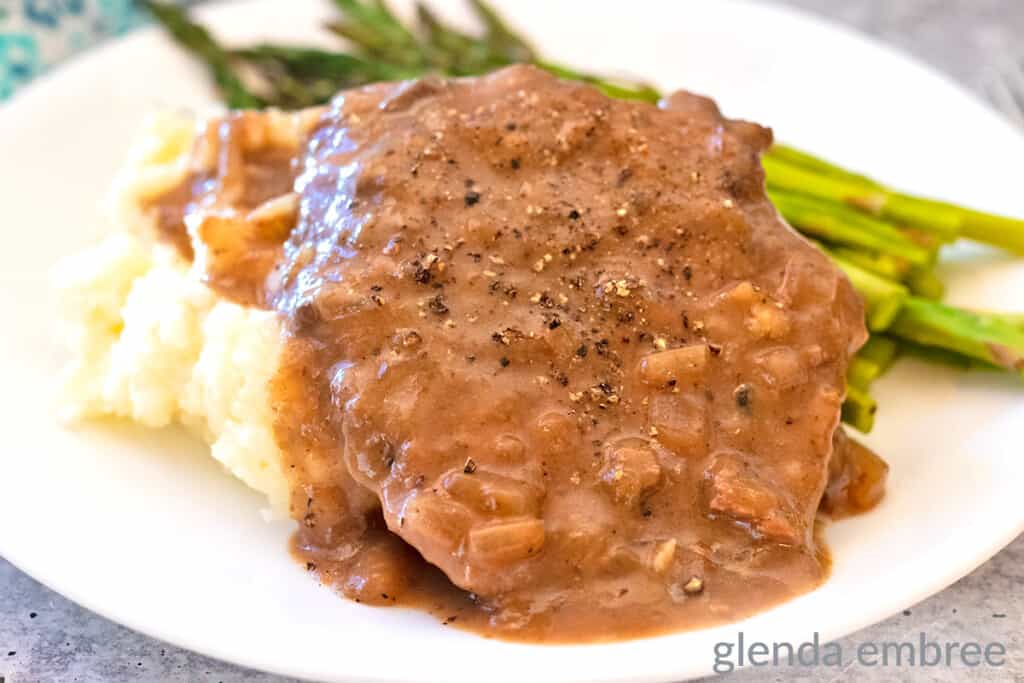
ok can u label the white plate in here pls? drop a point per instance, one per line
(143, 529)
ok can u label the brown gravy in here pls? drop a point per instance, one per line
(555, 369)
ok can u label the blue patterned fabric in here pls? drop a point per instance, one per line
(37, 34)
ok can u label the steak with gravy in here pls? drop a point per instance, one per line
(554, 366)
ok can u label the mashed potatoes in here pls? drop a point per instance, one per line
(151, 343)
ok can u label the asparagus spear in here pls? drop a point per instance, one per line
(1012, 319)
(314, 63)
(810, 162)
(920, 281)
(934, 354)
(925, 283)
(859, 409)
(889, 267)
(872, 361)
(199, 42)
(843, 225)
(506, 42)
(861, 373)
(373, 27)
(881, 351)
(883, 298)
(991, 338)
(945, 220)
(873, 200)
(453, 51)
(984, 337)
(303, 77)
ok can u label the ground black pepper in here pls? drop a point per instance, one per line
(437, 305)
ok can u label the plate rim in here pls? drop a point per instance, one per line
(39, 89)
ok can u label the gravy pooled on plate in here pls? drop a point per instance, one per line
(560, 347)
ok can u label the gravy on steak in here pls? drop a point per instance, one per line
(554, 366)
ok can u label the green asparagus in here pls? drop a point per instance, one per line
(872, 361)
(844, 225)
(946, 221)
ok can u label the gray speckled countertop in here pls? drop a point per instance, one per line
(44, 637)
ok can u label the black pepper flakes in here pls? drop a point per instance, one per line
(470, 466)
(514, 163)
(688, 273)
(437, 305)
(554, 324)
(421, 275)
(574, 215)
(504, 362)
(472, 197)
(582, 351)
